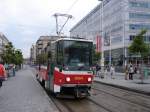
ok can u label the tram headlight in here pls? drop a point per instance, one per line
(89, 79)
(68, 79)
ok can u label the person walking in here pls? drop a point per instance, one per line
(2, 74)
(112, 72)
(131, 72)
(13, 68)
(98, 68)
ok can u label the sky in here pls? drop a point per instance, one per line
(24, 21)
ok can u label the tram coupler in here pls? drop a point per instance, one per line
(81, 92)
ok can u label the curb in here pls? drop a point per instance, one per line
(125, 88)
(55, 109)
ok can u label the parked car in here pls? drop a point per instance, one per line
(3, 75)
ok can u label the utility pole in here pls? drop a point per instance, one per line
(56, 15)
(102, 30)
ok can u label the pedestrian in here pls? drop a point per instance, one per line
(13, 68)
(126, 72)
(98, 68)
(106, 70)
(2, 74)
(112, 71)
(135, 70)
(131, 72)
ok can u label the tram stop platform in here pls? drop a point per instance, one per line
(23, 93)
(119, 81)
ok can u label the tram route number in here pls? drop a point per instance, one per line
(78, 78)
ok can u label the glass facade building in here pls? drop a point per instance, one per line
(117, 22)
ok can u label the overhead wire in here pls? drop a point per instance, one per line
(73, 4)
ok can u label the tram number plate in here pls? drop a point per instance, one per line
(78, 78)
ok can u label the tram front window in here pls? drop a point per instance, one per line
(77, 54)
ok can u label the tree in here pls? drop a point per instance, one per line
(8, 53)
(42, 58)
(96, 56)
(138, 46)
(11, 55)
(18, 57)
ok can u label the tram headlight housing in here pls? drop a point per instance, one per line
(68, 79)
(89, 79)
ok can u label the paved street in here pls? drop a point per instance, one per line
(22, 93)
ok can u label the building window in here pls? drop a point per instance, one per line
(131, 37)
(139, 4)
(140, 16)
(149, 38)
(146, 38)
(116, 39)
(139, 26)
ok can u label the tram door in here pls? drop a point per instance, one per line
(51, 76)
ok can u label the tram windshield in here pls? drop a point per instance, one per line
(77, 53)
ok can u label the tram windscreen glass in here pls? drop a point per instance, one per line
(77, 53)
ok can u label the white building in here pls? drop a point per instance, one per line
(118, 21)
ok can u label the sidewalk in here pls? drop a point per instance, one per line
(23, 93)
(119, 81)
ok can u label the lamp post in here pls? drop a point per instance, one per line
(124, 38)
(102, 39)
(110, 49)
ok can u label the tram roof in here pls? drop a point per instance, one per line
(75, 39)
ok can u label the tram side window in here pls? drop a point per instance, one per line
(53, 52)
(60, 53)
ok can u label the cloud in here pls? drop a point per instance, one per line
(24, 21)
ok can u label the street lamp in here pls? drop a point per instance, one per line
(124, 38)
(102, 39)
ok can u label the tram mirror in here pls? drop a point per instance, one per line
(60, 69)
(49, 54)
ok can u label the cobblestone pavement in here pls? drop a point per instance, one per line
(22, 93)
(119, 80)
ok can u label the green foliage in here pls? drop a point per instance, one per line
(18, 57)
(138, 45)
(42, 58)
(96, 56)
(8, 53)
(11, 55)
(148, 49)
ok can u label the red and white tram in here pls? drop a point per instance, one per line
(69, 67)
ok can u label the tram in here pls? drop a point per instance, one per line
(69, 67)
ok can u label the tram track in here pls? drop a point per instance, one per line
(96, 103)
(127, 96)
(100, 102)
(67, 105)
(64, 106)
(121, 90)
(124, 92)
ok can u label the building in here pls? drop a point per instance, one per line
(33, 54)
(3, 41)
(42, 42)
(117, 21)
